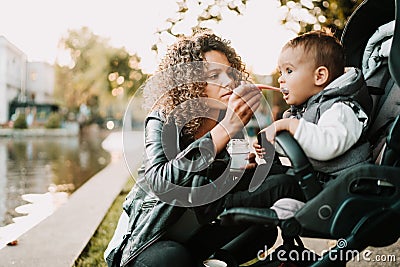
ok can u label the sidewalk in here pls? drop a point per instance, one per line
(60, 238)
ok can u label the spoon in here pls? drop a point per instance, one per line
(269, 87)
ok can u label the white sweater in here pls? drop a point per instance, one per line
(337, 130)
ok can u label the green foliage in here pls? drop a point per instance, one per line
(20, 122)
(125, 76)
(54, 121)
(87, 74)
(63, 91)
(88, 80)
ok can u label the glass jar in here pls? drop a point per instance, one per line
(239, 150)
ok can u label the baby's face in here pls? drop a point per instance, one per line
(297, 78)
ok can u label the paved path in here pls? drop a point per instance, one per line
(59, 239)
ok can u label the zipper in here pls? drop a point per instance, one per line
(133, 255)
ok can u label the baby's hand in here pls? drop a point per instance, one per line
(259, 150)
(270, 132)
(251, 157)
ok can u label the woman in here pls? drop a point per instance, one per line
(198, 102)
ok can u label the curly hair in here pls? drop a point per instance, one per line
(179, 79)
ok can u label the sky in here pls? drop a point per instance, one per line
(36, 26)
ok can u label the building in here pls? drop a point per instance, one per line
(12, 76)
(23, 84)
(40, 82)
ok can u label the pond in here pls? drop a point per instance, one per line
(32, 168)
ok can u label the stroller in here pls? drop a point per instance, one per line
(360, 208)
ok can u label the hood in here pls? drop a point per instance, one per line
(347, 84)
(362, 24)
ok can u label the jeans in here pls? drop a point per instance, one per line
(240, 243)
(272, 189)
(164, 253)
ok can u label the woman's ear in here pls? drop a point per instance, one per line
(321, 75)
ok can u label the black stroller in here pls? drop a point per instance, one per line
(362, 207)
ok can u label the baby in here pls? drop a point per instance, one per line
(325, 117)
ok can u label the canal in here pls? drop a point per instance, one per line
(45, 170)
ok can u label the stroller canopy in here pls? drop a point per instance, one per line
(363, 23)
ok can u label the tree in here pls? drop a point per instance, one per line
(301, 15)
(205, 10)
(99, 77)
(86, 75)
(124, 73)
(306, 15)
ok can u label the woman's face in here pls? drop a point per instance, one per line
(219, 76)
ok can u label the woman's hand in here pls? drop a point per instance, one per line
(244, 100)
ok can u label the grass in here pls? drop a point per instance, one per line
(93, 252)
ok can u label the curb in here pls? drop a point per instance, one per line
(60, 238)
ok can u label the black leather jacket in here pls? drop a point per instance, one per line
(154, 204)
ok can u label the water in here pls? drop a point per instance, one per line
(38, 173)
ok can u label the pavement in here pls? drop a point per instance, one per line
(60, 238)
